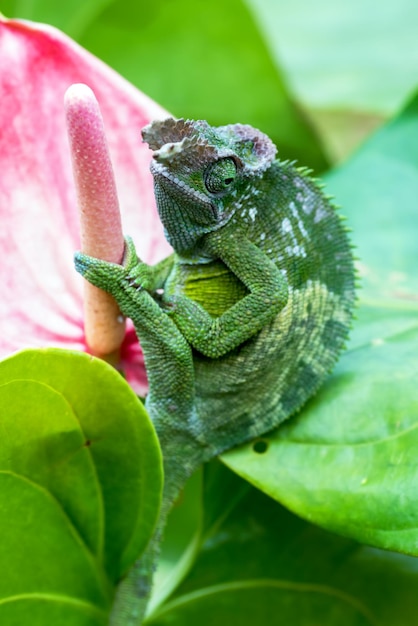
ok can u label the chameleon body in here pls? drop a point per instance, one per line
(241, 325)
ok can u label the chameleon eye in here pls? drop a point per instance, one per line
(220, 175)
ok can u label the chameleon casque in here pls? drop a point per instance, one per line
(242, 323)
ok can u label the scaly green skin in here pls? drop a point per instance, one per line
(241, 325)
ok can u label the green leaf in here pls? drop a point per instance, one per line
(262, 602)
(49, 610)
(82, 459)
(223, 490)
(347, 462)
(265, 566)
(43, 559)
(377, 189)
(69, 16)
(181, 542)
(51, 452)
(344, 54)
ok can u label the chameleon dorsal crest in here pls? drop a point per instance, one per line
(198, 142)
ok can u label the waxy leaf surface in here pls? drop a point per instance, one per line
(81, 478)
(263, 565)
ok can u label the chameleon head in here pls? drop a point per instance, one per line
(200, 172)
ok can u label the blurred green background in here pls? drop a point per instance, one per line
(316, 77)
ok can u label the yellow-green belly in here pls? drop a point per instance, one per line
(211, 285)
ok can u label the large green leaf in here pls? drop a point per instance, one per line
(345, 54)
(43, 559)
(265, 566)
(347, 461)
(80, 456)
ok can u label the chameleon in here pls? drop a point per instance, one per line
(243, 322)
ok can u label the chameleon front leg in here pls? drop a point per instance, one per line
(170, 403)
(268, 295)
(167, 354)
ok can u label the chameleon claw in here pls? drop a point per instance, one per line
(134, 283)
(130, 257)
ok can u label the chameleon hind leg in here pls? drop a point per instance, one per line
(170, 403)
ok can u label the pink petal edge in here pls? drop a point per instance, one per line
(41, 301)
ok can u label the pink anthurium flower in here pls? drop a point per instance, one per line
(41, 301)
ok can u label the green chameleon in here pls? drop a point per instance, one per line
(240, 326)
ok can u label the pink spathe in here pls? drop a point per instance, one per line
(41, 296)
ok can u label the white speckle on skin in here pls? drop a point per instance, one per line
(299, 251)
(308, 204)
(287, 225)
(252, 213)
(296, 250)
(319, 215)
(302, 229)
(295, 214)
